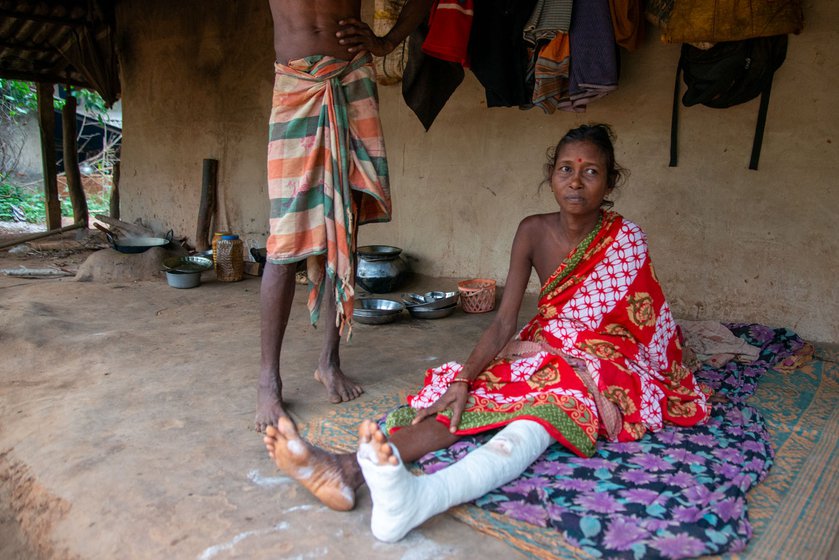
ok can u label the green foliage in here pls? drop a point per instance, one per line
(27, 200)
(31, 203)
(21, 98)
(90, 100)
(18, 98)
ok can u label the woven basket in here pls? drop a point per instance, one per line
(478, 295)
(229, 264)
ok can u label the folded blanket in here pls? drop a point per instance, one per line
(714, 344)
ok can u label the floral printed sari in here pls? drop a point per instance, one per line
(602, 355)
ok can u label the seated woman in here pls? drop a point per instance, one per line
(600, 358)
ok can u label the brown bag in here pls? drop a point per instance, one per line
(713, 21)
(389, 68)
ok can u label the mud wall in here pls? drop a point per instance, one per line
(729, 244)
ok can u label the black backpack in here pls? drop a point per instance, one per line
(728, 74)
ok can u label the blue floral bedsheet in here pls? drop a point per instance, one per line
(677, 493)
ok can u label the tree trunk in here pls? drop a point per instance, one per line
(71, 161)
(46, 123)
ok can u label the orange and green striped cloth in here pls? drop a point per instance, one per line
(327, 170)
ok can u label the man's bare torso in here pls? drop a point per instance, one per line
(307, 27)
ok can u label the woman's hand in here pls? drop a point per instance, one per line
(453, 399)
(358, 37)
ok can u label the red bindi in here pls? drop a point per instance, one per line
(579, 160)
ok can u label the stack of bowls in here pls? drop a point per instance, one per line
(431, 305)
(376, 311)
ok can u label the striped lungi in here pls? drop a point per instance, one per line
(327, 170)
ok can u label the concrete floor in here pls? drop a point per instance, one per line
(126, 413)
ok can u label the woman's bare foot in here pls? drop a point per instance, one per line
(269, 408)
(331, 478)
(339, 387)
(400, 499)
(371, 436)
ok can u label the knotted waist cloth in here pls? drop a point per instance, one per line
(327, 171)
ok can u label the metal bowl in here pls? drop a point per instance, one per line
(421, 312)
(376, 311)
(178, 279)
(430, 300)
(187, 264)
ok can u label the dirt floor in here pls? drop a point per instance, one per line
(126, 410)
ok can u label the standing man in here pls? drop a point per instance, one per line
(327, 174)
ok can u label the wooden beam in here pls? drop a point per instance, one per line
(133, 230)
(46, 123)
(40, 75)
(35, 236)
(69, 22)
(207, 205)
(71, 160)
(27, 46)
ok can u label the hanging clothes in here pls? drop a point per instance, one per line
(594, 54)
(549, 17)
(497, 51)
(627, 23)
(428, 82)
(551, 73)
(449, 27)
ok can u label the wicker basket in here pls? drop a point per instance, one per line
(228, 256)
(478, 295)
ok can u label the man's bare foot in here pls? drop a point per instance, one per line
(339, 387)
(322, 473)
(269, 409)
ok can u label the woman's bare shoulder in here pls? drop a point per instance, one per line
(538, 220)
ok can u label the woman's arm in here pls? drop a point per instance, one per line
(500, 331)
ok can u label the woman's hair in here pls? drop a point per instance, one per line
(599, 135)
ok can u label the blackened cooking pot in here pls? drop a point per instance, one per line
(138, 244)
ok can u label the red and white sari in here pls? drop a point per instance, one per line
(602, 356)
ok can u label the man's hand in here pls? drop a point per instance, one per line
(358, 37)
(453, 399)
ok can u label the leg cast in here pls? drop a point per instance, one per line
(402, 501)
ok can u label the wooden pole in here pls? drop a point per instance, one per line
(46, 123)
(114, 203)
(34, 236)
(207, 207)
(71, 160)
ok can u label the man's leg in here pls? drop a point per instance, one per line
(402, 501)
(338, 386)
(276, 296)
(333, 477)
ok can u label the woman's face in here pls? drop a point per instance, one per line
(580, 178)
